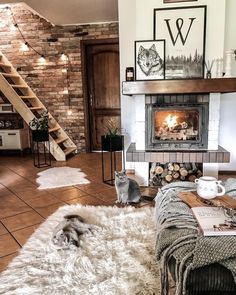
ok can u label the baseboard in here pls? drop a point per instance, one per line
(228, 172)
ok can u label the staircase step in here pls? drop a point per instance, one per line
(8, 75)
(37, 108)
(54, 129)
(28, 105)
(2, 65)
(60, 139)
(69, 150)
(27, 97)
(19, 86)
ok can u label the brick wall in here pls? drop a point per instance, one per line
(47, 80)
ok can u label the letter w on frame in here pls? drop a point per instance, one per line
(184, 29)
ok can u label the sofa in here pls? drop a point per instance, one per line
(178, 246)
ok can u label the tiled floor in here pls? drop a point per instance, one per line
(23, 207)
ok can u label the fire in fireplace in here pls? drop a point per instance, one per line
(177, 125)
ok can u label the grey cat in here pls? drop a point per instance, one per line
(150, 61)
(127, 189)
(69, 231)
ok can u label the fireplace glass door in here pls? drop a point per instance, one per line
(176, 127)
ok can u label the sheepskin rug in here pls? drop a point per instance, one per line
(117, 257)
(60, 176)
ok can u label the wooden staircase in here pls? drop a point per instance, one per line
(27, 104)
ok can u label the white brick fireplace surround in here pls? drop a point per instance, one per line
(142, 168)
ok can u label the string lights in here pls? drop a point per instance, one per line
(26, 46)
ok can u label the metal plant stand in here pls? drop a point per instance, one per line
(42, 155)
(112, 146)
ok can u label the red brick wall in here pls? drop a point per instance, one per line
(47, 80)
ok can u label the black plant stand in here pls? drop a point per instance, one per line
(41, 144)
(112, 145)
(42, 158)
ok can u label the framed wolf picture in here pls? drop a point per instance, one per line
(149, 60)
(184, 29)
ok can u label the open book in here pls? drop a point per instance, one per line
(214, 221)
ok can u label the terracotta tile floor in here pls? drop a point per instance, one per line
(23, 207)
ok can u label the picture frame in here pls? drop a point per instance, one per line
(184, 29)
(176, 1)
(149, 59)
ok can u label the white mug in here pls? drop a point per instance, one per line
(207, 187)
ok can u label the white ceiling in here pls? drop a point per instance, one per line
(64, 12)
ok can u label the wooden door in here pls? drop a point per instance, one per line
(103, 87)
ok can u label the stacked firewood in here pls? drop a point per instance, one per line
(161, 174)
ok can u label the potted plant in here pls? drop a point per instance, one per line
(39, 127)
(112, 140)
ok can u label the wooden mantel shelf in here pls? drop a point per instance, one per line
(217, 85)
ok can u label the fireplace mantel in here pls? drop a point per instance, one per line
(216, 85)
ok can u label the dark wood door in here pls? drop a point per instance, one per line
(103, 87)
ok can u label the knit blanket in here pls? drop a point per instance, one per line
(178, 236)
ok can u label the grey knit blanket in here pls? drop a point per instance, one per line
(178, 236)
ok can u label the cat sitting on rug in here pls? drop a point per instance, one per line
(69, 231)
(127, 189)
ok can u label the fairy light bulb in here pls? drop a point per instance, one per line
(63, 57)
(64, 70)
(42, 59)
(9, 12)
(24, 46)
(13, 27)
(69, 112)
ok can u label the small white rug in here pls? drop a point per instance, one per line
(116, 258)
(60, 176)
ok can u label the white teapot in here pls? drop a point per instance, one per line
(208, 187)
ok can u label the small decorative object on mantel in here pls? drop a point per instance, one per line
(209, 66)
(219, 67)
(129, 74)
(39, 127)
(228, 63)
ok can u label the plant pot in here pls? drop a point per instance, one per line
(40, 135)
(112, 143)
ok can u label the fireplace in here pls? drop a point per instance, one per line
(177, 122)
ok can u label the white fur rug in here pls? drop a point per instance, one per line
(117, 257)
(60, 176)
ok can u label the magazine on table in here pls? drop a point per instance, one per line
(215, 221)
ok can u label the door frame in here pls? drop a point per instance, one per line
(84, 45)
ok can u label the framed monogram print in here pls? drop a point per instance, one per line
(184, 29)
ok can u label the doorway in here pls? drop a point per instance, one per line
(101, 84)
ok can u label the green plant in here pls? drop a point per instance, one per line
(40, 123)
(111, 128)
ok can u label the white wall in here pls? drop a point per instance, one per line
(136, 23)
(228, 101)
